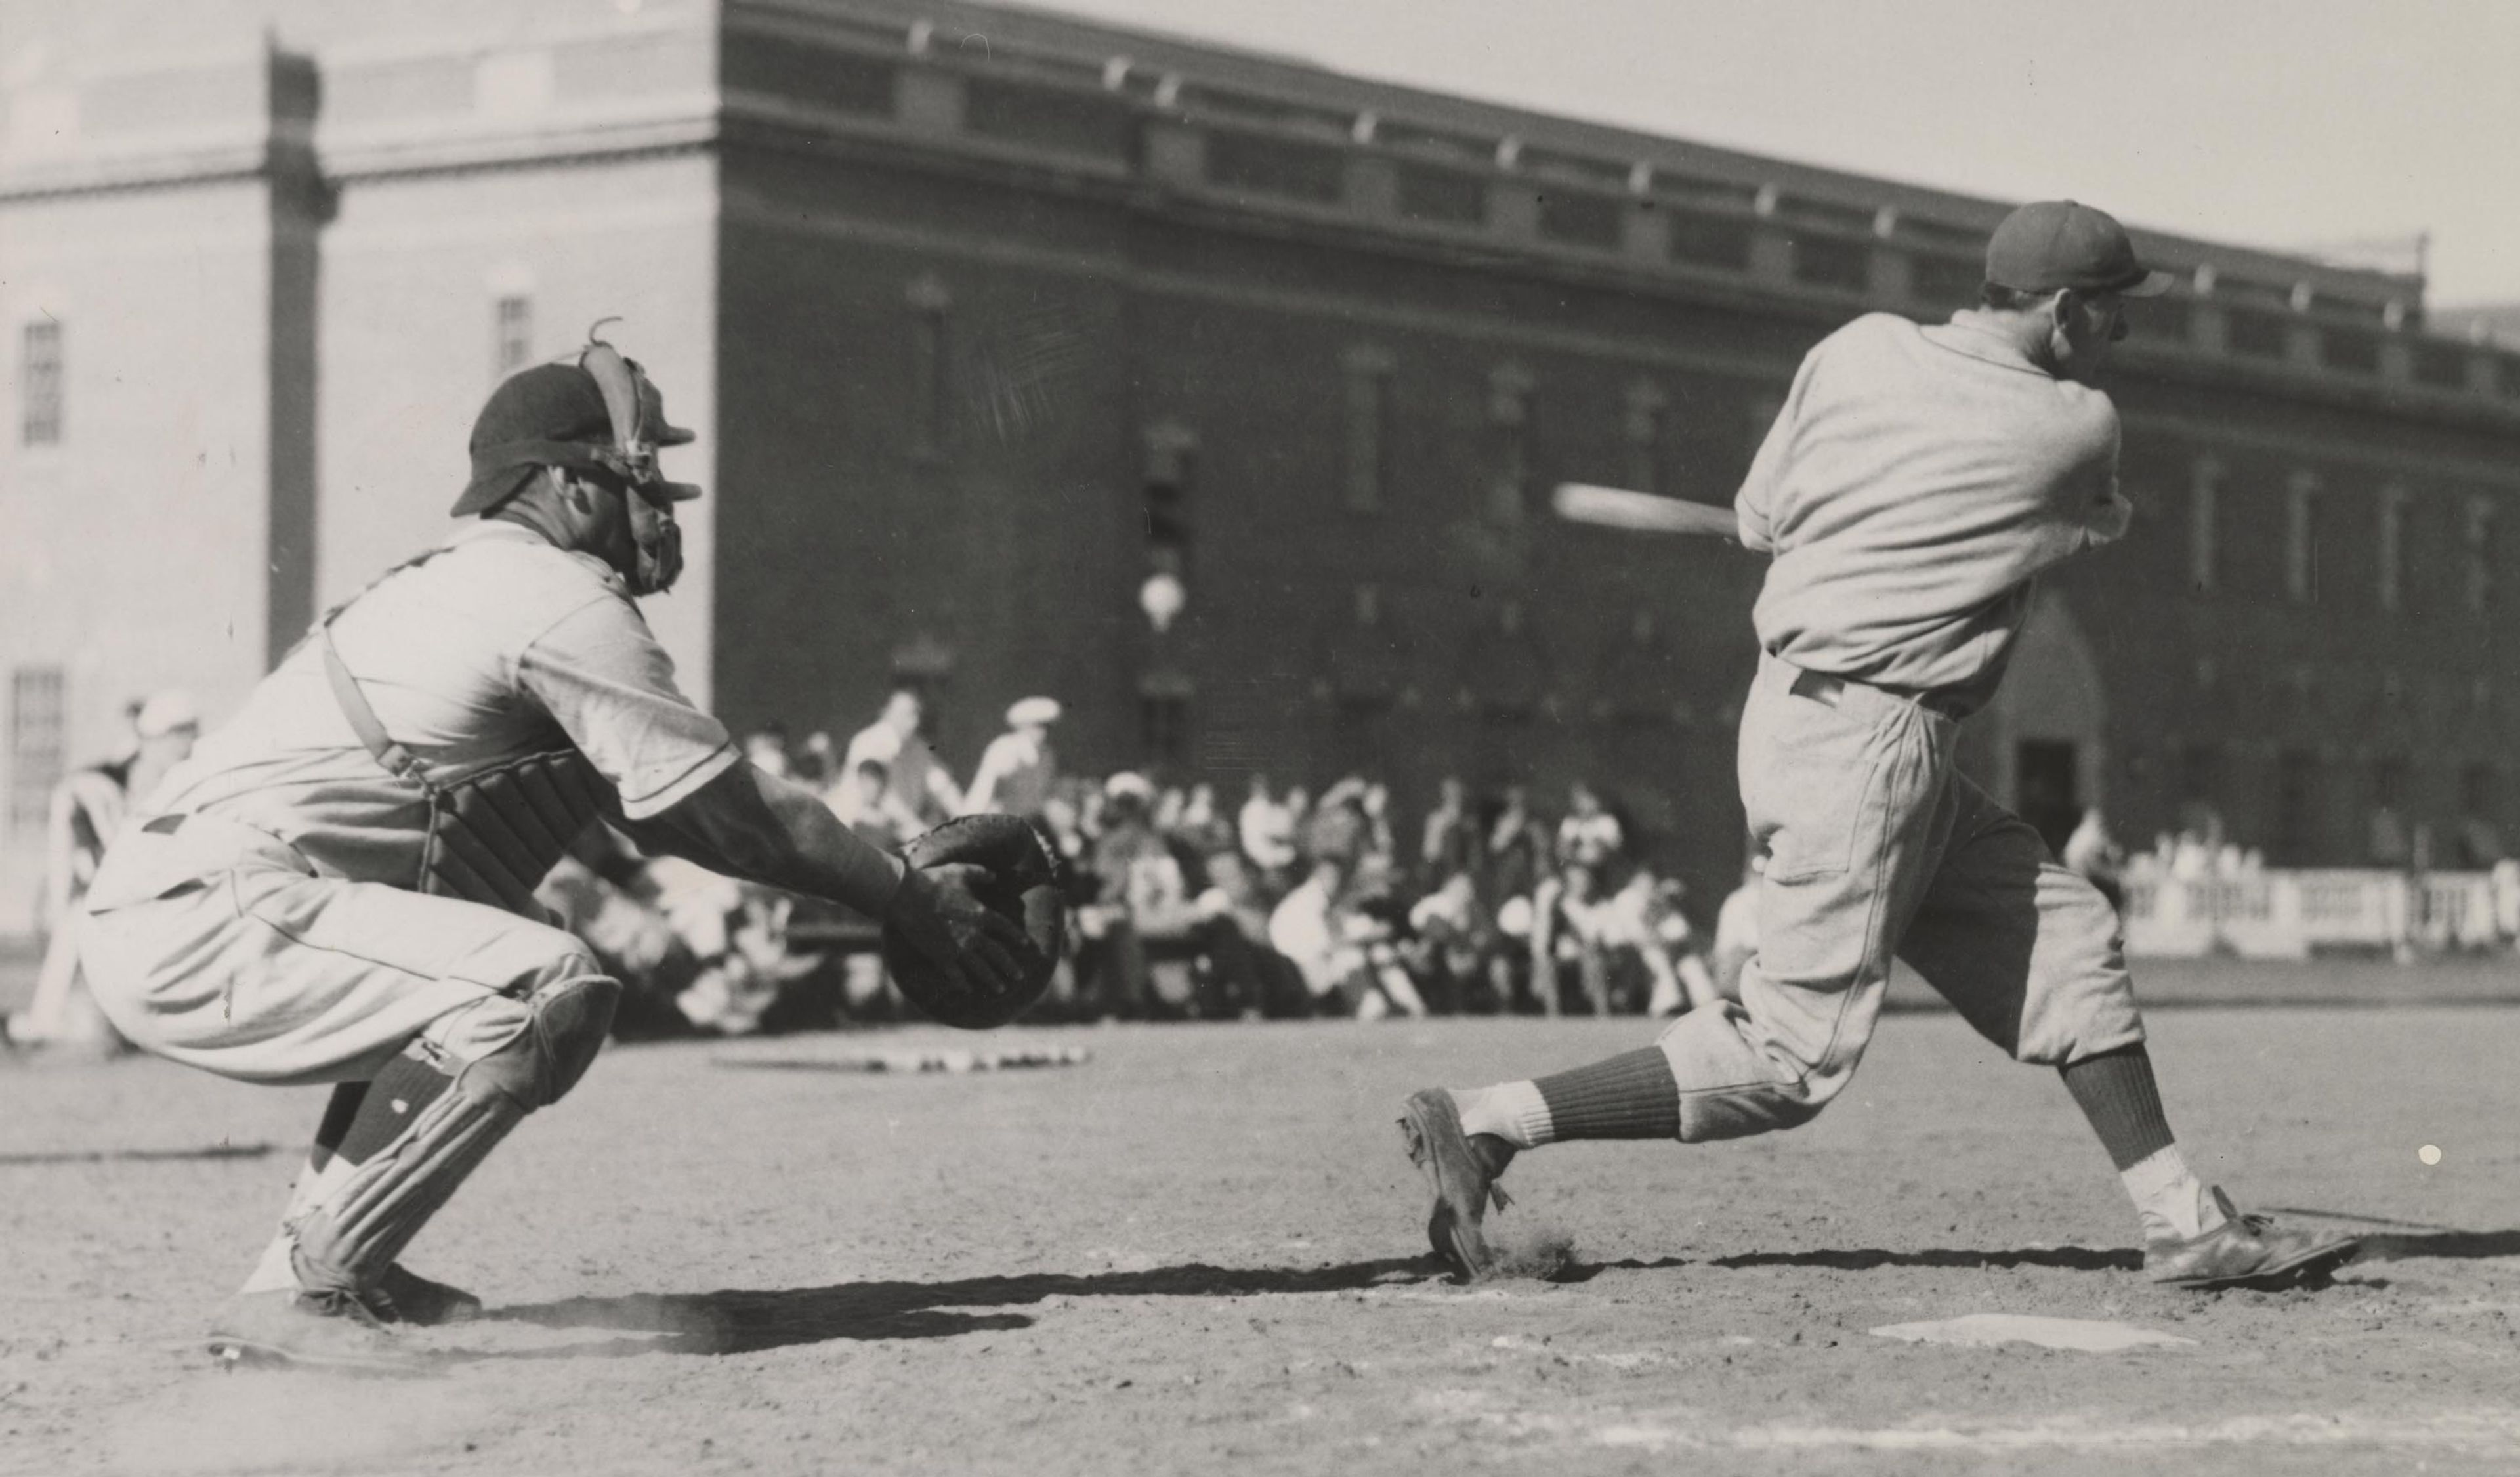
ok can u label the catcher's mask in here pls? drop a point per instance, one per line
(632, 458)
(600, 416)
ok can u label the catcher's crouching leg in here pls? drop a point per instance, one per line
(418, 1132)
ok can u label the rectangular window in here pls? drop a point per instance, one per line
(1579, 219)
(36, 745)
(927, 305)
(2301, 540)
(2204, 515)
(512, 336)
(2200, 774)
(1163, 727)
(2390, 549)
(1711, 241)
(2259, 336)
(40, 376)
(1368, 429)
(2296, 799)
(2389, 783)
(1171, 452)
(1645, 436)
(1826, 261)
(2478, 549)
(1509, 424)
(2479, 793)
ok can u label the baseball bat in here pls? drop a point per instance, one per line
(1641, 512)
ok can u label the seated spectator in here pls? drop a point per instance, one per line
(1267, 831)
(1244, 975)
(1589, 836)
(918, 782)
(869, 804)
(1568, 921)
(1204, 830)
(603, 900)
(1449, 846)
(1643, 927)
(1517, 851)
(1454, 954)
(1345, 955)
(817, 761)
(767, 747)
(1142, 897)
(1339, 828)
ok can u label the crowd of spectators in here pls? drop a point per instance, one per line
(1185, 905)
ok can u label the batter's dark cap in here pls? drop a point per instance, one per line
(2052, 244)
(553, 415)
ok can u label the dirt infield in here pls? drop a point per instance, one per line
(1200, 1250)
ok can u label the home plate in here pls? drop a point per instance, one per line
(1988, 1330)
(917, 1061)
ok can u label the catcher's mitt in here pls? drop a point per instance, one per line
(1025, 885)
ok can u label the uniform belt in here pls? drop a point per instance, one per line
(1825, 689)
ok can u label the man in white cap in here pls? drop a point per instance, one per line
(87, 810)
(1020, 767)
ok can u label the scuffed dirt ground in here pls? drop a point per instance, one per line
(1203, 1251)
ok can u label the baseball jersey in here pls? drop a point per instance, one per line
(499, 646)
(1915, 484)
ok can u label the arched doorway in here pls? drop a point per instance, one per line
(2041, 747)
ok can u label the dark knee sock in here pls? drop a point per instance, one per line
(2116, 1091)
(388, 1105)
(339, 1114)
(1631, 1095)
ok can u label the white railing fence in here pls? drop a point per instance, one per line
(2290, 915)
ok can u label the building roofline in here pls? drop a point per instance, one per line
(1079, 40)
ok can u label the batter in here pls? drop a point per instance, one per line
(1914, 487)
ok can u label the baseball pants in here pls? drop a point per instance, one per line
(1877, 846)
(220, 947)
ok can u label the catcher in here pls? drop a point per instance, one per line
(336, 886)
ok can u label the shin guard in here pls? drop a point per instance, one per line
(419, 1134)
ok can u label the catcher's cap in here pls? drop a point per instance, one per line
(1031, 711)
(2052, 244)
(553, 415)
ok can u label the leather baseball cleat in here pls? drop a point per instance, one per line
(404, 1295)
(2243, 1250)
(1463, 1171)
(308, 1330)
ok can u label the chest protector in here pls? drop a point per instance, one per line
(492, 835)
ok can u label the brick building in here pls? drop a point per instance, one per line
(985, 317)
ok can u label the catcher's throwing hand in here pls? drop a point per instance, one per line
(937, 911)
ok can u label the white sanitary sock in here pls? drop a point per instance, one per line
(2169, 1199)
(1515, 1112)
(278, 1269)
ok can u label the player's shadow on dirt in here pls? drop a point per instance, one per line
(742, 1322)
(2064, 1258)
(2460, 1245)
